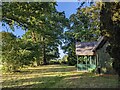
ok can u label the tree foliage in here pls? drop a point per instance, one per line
(10, 52)
(43, 24)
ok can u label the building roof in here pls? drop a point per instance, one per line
(85, 48)
(101, 41)
(89, 48)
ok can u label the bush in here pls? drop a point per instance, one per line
(54, 62)
(71, 62)
(10, 68)
(64, 62)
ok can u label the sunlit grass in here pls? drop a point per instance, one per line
(57, 76)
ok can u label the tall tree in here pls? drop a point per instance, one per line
(40, 18)
(110, 27)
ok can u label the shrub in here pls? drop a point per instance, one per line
(54, 62)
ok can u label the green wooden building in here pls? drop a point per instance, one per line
(86, 58)
(103, 59)
(94, 54)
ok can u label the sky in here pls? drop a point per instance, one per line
(68, 7)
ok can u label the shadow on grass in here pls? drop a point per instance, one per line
(47, 78)
(37, 82)
(69, 81)
(44, 69)
(62, 69)
(44, 82)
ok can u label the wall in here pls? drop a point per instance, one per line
(104, 59)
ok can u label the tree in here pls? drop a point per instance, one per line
(110, 27)
(10, 52)
(84, 27)
(42, 20)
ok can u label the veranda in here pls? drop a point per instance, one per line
(86, 58)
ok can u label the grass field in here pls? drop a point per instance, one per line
(57, 76)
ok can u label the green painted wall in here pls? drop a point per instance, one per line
(104, 59)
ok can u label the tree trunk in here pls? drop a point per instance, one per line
(38, 62)
(44, 53)
(119, 80)
(119, 76)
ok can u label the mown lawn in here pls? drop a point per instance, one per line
(57, 76)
